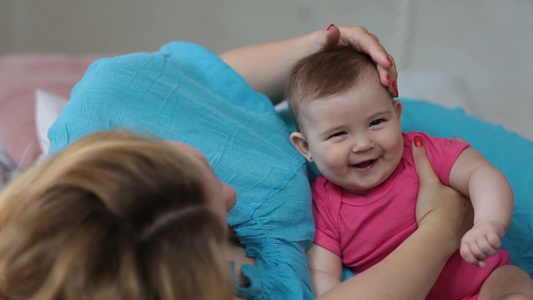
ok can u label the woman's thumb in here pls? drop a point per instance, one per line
(330, 37)
(423, 166)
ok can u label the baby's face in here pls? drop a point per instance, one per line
(355, 138)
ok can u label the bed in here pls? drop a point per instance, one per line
(34, 89)
(23, 79)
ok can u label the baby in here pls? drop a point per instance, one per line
(365, 199)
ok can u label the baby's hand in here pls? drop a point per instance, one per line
(482, 241)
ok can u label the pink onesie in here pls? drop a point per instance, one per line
(364, 229)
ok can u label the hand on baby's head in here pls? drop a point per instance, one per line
(482, 241)
(366, 42)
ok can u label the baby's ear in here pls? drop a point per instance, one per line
(398, 107)
(300, 143)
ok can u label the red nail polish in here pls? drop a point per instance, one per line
(389, 60)
(388, 78)
(395, 87)
(419, 142)
(330, 25)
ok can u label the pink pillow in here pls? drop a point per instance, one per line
(20, 76)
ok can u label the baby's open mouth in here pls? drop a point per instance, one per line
(365, 165)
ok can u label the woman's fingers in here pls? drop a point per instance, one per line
(360, 39)
(424, 170)
(331, 38)
(386, 77)
(437, 201)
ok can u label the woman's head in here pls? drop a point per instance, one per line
(115, 216)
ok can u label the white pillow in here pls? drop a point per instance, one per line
(47, 109)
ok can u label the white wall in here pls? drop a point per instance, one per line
(485, 45)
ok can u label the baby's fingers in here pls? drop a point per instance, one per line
(494, 241)
(477, 251)
(468, 253)
(485, 249)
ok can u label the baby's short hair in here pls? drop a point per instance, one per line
(326, 73)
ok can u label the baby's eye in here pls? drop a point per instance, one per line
(377, 122)
(336, 134)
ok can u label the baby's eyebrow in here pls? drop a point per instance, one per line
(380, 113)
(331, 130)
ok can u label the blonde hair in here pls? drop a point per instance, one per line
(113, 216)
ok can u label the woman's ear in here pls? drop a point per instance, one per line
(300, 143)
(398, 108)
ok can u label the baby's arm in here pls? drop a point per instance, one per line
(492, 199)
(325, 269)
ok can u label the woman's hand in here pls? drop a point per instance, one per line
(266, 66)
(363, 41)
(441, 206)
